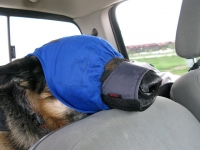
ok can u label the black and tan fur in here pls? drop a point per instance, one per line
(30, 109)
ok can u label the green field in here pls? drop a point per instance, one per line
(173, 64)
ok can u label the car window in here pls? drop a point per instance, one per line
(4, 53)
(27, 34)
(148, 29)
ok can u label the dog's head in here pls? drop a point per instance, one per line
(23, 82)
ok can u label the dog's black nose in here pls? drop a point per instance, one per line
(149, 85)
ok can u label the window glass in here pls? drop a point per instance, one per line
(148, 29)
(27, 34)
(4, 53)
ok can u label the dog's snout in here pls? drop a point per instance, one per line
(150, 87)
(150, 83)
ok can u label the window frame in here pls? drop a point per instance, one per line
(7, 12)
(117, 32)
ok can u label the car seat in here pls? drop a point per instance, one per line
(186, 90)
(166, 125)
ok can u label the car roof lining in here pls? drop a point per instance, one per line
(70, 8)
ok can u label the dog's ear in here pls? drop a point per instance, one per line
(26, 73)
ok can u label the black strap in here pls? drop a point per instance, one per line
(3, 126)
(195, 66)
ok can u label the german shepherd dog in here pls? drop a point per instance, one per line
(31, 111)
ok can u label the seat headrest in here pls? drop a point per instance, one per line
(188, 31)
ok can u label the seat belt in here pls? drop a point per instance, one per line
(195, 66)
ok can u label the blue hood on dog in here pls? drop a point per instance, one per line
(73, 67)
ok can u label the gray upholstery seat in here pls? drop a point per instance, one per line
(186, 90)
(166, 125)
(188, 32)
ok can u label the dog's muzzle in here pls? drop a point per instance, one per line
(130, 87)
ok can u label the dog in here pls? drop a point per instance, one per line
(31, 111)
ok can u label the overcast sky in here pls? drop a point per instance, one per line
(148, 21)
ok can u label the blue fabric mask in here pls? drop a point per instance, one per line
(73, 67)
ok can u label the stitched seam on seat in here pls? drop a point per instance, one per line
(196, 79)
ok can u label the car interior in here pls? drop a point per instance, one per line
(170, 123)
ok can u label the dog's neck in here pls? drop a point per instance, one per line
(42, 123)
(40, 120)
